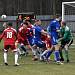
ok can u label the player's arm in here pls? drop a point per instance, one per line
(2, 35)
(65, 36)
(19, 36)
(49, 30)
(45, 33)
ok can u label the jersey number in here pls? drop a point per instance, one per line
(9, 34)
(34, 32)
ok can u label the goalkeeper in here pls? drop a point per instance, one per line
(66, 40)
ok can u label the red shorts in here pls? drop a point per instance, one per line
(10, 45)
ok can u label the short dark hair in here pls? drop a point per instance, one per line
(28, 20)
(25, 23)
(56, 15)
(9, 24)
(36, 20)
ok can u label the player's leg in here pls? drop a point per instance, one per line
(60, 49)
(56, 52)
(61, 53)
(15, 50)
(66, 52)
(5, 57)
(67, 44)
(34, 51)
(22, 47)
(48, 54)
(50, 48)
(32, 46)
(6, 47)
(17, 45)
(42, 45)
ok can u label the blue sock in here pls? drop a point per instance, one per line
(57, 55)
(48, 54)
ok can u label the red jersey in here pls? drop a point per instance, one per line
(9, 35)
(46, 40)
(43, 38)
(30, 27)
(22, 36)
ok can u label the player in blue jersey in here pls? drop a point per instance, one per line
(53, 30)
(37, 31)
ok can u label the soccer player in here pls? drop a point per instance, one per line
(9, 37)
(66, 39)
(30, 36)
(5, 25)
(22, 36)
(47, 41)
(38, 31)
(53, 30)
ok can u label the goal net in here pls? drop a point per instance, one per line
(68, 14)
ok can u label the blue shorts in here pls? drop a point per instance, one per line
(39, 43)
(30, 39)
(54, 40)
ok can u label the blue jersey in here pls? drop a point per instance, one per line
(37, 32)
(37, 36)
(52, 30)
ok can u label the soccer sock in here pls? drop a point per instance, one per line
(34, 51)
(23, 48)
(66, 52)
(61, 55)
(57, 55)
(49, 53)
(16, 57)
(19, 51)
(44, 53)
(5, 57)
(40, 51)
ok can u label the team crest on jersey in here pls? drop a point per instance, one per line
(54, 21)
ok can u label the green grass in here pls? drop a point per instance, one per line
(29, 67)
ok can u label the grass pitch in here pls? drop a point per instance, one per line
(29, 67)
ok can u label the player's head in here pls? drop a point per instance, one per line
(9, 24)
(57, 17)
(63, 23)
(37, 22)
(28, 21)
(25, 25)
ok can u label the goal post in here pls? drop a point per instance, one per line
(63, 8)
(68, 14)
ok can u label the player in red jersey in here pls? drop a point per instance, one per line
(22, 37)
(47, 41)
(30, 36)
(9, 36)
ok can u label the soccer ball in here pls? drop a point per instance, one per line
(3, 16)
